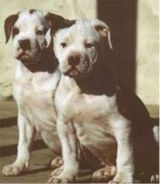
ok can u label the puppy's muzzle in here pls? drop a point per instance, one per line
(25, 44)
(74, 59)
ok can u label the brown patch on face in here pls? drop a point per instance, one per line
(57, 22)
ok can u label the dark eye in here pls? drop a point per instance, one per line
(39, 32)
(89, 45)
(63, 44)
(15, 31)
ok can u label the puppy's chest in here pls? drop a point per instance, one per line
(90, 115)
(32, 94)
(34, 97)
(80, 107)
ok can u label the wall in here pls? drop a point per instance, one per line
(146, 78)
(67, 8)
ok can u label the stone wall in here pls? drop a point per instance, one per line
(66, 8)
(147, 70)
(147, 40)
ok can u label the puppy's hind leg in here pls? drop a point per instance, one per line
(26, 134)
(104, 174)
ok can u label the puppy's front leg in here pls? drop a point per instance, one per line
(26, 134)
(125, 158)
(68, 138)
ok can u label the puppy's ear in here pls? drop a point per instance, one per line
(8, 24)
(103, 29)
(57, 22)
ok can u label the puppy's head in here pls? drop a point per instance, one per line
(79, 47)
(32, 32)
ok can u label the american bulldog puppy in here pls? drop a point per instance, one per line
(35, 81)
(94, 111)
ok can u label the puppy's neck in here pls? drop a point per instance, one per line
(100, 82)
(46, 63)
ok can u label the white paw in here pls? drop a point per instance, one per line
(122, 177)
(13, 169)
(104, 174)
(63, 177)
(57, 172)
(60, 180)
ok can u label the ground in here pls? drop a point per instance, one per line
(39, 170)
(41, 156)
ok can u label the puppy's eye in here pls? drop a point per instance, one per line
(63, 44)
(39, 32)
(89, 45)
(15, 31)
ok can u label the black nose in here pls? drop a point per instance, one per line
(25, 44)
(74, 59)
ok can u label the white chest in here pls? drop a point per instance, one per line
(34, 96)
(80, 107)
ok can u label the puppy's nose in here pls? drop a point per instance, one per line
(25, 44)
(74, 59)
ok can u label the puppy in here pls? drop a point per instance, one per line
(94, 112)
(35, 81)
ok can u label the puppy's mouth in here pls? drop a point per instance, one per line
(23, 55)
(26, 57)
(72, 72)
(78, 71)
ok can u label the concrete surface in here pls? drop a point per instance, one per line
(147, 70)
(147, 53)
(39, 170)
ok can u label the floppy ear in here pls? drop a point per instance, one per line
(103, 30)
(8, 24)
(57, 22)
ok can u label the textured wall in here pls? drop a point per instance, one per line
(147, 40)
(148, 51)
(67, 8)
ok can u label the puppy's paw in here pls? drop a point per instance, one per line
(64, 177)
(56, 162)
(57, 172)
(104, 174)
(60, 180)
(14, 169)
(154, 178)
(122, 178)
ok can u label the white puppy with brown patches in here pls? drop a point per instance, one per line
(86, 102)
(93, 112)
(36, 79)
